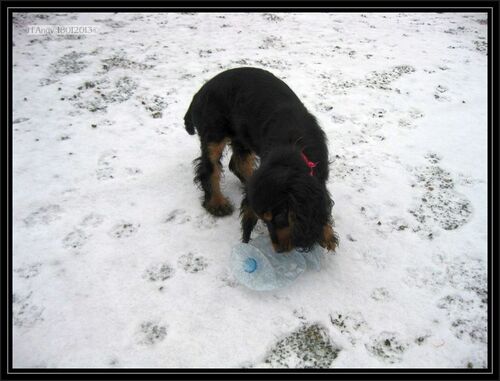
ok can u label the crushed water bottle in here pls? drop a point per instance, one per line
(257, 266)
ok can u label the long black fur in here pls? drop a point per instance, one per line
(261, 114)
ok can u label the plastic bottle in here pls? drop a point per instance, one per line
(257, 266)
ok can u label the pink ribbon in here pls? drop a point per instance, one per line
(309, 163)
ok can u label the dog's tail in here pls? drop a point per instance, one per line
(188, 121)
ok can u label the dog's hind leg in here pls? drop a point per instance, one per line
(208, 175)
(242, 162)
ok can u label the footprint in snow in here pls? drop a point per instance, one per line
(25, 314)
(177, 216)
(92, 220)
(75, 239)
(192, 264)
(415, 113)
(380, 294)
(124, 230)
(158, 272)
(105, 169)
(387, 346)
(439, 93)
(44, 215)
(28, 271)
(151, 332)
(379, 113)
(350, 324)
(20, 120)
(133, 172)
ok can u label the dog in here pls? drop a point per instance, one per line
(257, 114)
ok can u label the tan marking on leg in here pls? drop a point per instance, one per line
(246, 166)
(218, 204)
(248, 212)
(243, 165)
(267, 216)
(215, 150)
(329, 241)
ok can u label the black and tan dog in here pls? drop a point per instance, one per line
(258, 114)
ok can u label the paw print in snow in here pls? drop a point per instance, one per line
(155, 105)
(433, 157)
(44, 215)
(192, 264)
(415, 113)
(380, 294)
(25, 314)
(92, 220)
(439, 93)
(133, 172)
(349, 324)
(379, 113)
(151, 332)
(29, 271)
(405, 123)
(177, 216)
(105, 170)
(124, 230)
(75, 239)
(158, 272)
(387, 346)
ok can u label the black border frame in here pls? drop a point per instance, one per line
(9, 6)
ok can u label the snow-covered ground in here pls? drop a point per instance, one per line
(116, 264)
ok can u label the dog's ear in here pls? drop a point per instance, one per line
(309, 211)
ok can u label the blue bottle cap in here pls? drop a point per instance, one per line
(250, 265)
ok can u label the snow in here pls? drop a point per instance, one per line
(116, 264)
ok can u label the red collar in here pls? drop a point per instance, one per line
(309, 163)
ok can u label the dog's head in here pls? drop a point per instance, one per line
(293, 204)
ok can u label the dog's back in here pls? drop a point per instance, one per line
(242, 99)
(242, 90)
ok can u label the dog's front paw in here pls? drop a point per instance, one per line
(330, 240)
(219, 208)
